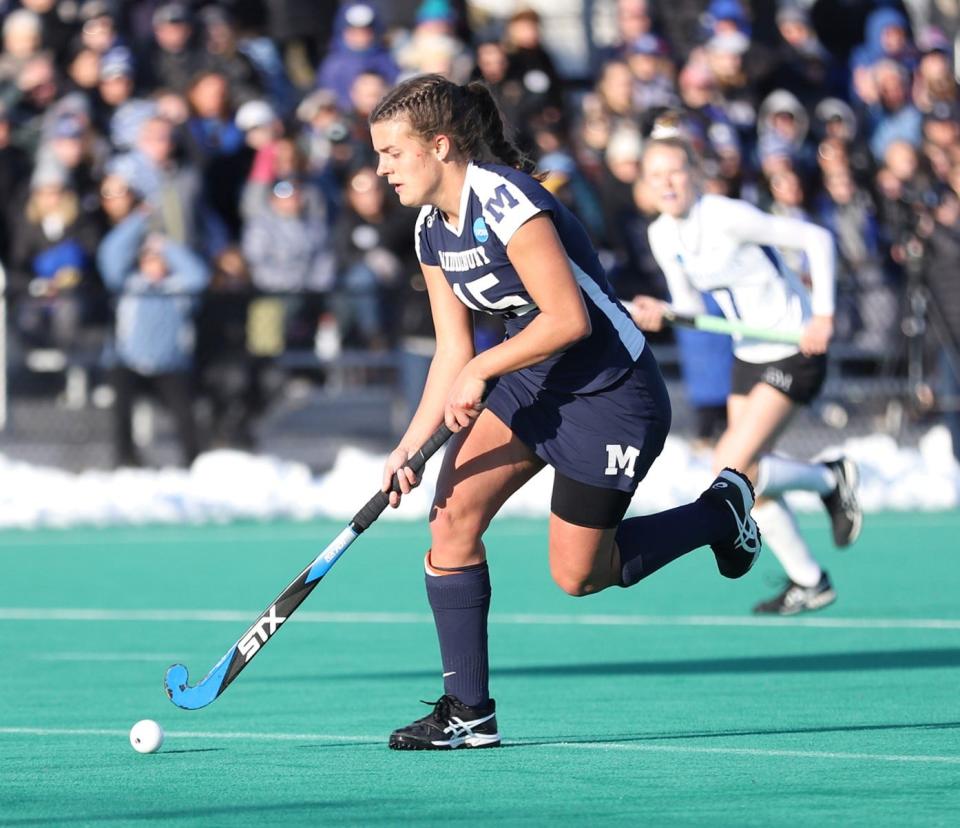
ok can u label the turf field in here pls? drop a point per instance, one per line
(667, 703)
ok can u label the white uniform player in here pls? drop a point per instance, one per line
(725, 247)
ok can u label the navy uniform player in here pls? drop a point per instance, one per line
(708, 243)
(571, 386)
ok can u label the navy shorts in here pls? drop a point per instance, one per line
(608, 438)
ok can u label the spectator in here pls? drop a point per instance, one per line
(99, 27)
(157, 280)
(83, 74)
(788, 199)
(867, 309)
(22, 35)
(56, 27)
(365, 92)
(905, 190)
(491, 67)
(615, 96)
(371, 245)
(933, 80)
(218, 148)
(287, 244)
(839, 130)
(532, 68)
(886, 38)
(633, 22)
(941, 266)
(357, 47)
(302, 30)
(230, 370)
(118, 199)
(280, 159)
(118, 113)
(893, 117)
(621, 168)
(700, 108)
(735, 92)
(51, 272)
(803, 65)
(223, 56)
(782, 118)
(433, 45)
(653, 86)
(565, 179)
(324, 128)
(639, 273)
(35, 96)
(74, 148)
(682, 25)
(173, 189)
(174, 58)
(941, 132)
(259, 124)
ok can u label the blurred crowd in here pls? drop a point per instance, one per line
(193, 182)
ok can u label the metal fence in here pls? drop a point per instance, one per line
(304, 399)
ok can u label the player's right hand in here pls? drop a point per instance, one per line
(647, 312)
(397, 464)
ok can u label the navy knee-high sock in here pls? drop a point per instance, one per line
(649, 542)
(460, 602)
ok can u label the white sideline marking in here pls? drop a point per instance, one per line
(189, 734)
(70, 656)
(790, 754)
(518, 619)
(327, 737)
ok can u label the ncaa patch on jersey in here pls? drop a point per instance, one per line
(480, 232)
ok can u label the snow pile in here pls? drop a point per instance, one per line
(229, 485)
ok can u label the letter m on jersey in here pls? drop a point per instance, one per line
(499, 202)
(621, 459)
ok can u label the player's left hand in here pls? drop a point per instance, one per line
(816, 335)
(464, 402)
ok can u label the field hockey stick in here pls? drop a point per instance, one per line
(175, 682)
(722, 325)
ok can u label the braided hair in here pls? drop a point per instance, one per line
(468, 115)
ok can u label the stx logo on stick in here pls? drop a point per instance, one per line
(260, 632)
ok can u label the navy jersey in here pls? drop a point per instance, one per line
(495, 202)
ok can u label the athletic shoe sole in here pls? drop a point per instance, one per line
(470, 742)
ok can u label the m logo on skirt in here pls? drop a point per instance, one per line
(621, 459)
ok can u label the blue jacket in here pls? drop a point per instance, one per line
(154, 321)
(871, 50)
(342, 64)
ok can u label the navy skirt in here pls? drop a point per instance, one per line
(607, 438)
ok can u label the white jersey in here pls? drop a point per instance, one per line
(724, 247)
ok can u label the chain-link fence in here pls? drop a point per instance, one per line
(274, 373)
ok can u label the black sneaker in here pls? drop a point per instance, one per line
(796, 598)
(846, 516)
(450, 725)
(733, 490)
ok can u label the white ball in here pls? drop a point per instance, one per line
(146, 736)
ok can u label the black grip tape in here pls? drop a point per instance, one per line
(376, 504)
